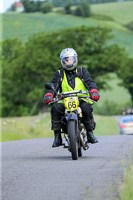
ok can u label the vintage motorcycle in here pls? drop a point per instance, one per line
(72, 122)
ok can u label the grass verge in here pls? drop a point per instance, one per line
(105, 125)
(126, 189)
(40, 127)
(26, 128)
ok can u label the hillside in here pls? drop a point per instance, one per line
(112, 15)
(120, 12)
(23, 25)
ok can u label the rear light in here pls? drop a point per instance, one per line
(122, 126)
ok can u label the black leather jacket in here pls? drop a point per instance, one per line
(82, 73)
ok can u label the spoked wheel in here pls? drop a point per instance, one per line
(73, 140)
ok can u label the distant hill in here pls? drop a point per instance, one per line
(112, 15)
(120, 12)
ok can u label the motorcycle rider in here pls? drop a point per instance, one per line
(67, 79)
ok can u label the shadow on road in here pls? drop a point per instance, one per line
(50, 158)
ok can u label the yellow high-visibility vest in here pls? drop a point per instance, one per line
(79, 85)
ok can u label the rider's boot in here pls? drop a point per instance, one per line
(90, 126)
(91, 138)
(57, 138)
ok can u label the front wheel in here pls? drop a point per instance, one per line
(73, 139)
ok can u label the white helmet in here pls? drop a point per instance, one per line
(69, 58)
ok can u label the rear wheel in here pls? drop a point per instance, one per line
(73, 140)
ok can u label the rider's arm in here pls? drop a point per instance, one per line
(89, 83)
(56, 82)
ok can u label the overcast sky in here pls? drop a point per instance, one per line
(5, 4)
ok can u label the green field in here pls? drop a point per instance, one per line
(23, 25)
(121, 12)
(40, 127)
(116, 93)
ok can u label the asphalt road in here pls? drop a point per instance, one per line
(32, 170)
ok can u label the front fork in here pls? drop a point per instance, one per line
(79, 133)
(74, 117)
(71, 116)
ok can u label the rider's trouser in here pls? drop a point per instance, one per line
(58, 110)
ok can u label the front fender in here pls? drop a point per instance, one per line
(72, 116)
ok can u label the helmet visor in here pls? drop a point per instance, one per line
(69, 61)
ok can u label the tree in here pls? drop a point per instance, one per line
(83, 10)
(68, 8)
(12, 8)
(126, 74)
(46, 7)
(13, 95)
(130, 26)
(31, 5)
(28, 7)
(58, 3)
(27, 68)
(79, 11)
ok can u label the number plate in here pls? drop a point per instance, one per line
(71, 103)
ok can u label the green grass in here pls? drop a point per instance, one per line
(105, 125)
(112, 100)
(126, 189)
(121, 12)
(24, 25)
(109, 23)
(116, 93)
(25, 128)
(124, 40)
(37, 127)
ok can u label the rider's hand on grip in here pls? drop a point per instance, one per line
(94, 94)
(48, 98)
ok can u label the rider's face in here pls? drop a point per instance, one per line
(69, 60)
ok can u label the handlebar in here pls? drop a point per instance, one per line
(63, 95)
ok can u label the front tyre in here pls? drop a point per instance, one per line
(72, 138)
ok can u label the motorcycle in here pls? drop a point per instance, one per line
(72, 122)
